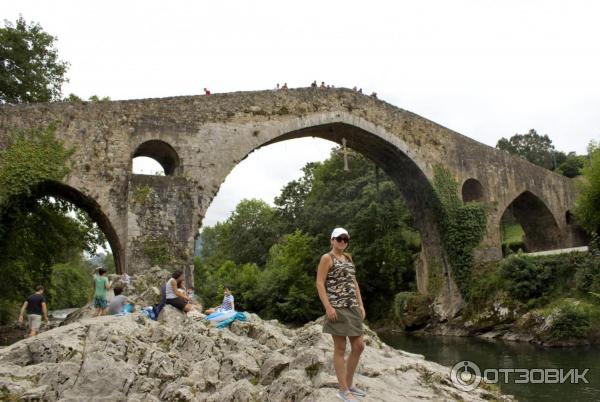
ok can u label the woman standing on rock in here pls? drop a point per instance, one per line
(101, 287)
(340, 295)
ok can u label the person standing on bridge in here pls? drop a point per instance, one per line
(340, 294)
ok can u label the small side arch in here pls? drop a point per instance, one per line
(161, 152)
(536, 219)
(472, 190)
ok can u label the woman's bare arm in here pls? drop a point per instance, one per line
(322, 272)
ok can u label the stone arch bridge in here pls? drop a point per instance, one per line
(199, 139)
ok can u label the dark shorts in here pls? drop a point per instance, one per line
(100, 302)
(177, 302)
(348, 323)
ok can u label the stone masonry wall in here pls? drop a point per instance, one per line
(212, 134)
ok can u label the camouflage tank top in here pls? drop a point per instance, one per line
(340, 284)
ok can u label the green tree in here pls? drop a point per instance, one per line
(384, 247)
(289, 205)
(587, 209)
(572, 165)
(94, 98)
(535, 148)
(287, 285)
(245, 237)
(31, 70)
(366, 202)
(39, 237)
(252, 232)
(70, 284)
(215, 244)
(108, 262)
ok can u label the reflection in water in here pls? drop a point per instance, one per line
(487, 354)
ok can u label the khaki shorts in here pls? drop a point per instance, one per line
(35, 321)
(348, 323)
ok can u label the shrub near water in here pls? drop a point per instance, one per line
(536, 280)
(527, 279)
(574, 319)
(587, 278)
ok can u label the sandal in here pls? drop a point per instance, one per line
(346, 396)
(356, 391)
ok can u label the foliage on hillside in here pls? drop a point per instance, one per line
(587, 210)
(539, 150)
(565, 288)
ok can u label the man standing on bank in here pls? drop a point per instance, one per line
(340, 295)
(36, 306)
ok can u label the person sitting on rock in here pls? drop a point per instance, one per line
(175, 296)
(192, 295)
(181, 286)
(227, 305)
(101, 285)
(118, 303)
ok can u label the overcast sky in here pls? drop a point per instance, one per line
(486, 69)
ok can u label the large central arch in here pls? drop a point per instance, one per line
(390, 154)
(414, 186)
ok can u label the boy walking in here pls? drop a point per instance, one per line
(35, 306)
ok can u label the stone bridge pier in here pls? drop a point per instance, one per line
(161, 223)
(153, 220)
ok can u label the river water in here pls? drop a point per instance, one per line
(492, 354)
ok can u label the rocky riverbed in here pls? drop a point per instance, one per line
(184, 358)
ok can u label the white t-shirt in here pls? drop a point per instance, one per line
(169, 290)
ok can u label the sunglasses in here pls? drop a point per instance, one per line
(340, 239)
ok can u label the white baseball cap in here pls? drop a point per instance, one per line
(338, 232)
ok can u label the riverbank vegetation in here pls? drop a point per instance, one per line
(550, 297)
